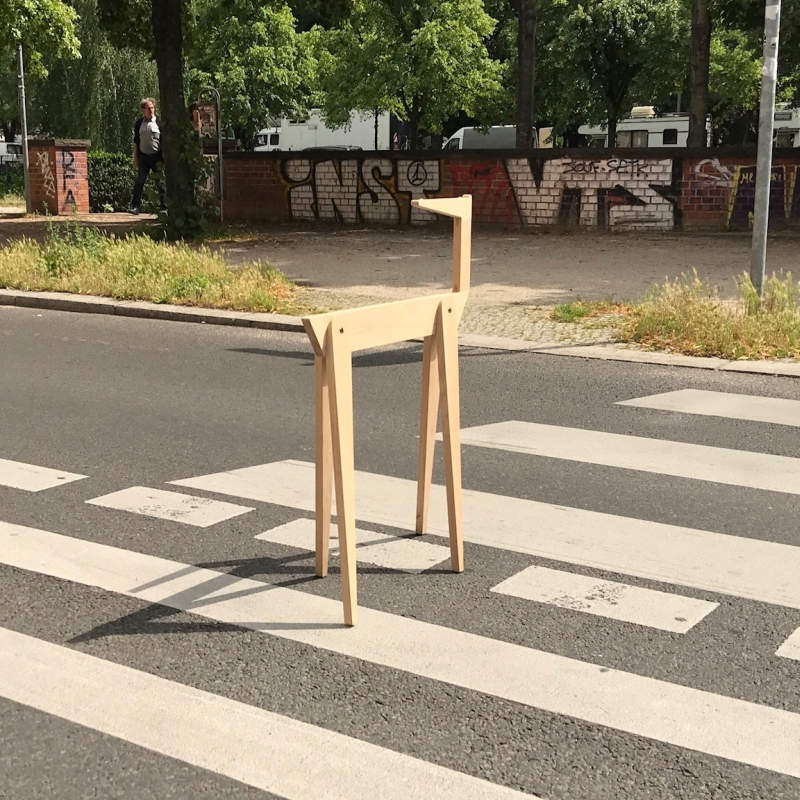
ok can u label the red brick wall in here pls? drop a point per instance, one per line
(58, 176)
(615, 190)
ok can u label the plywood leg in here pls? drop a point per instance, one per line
(427, 429)
(323, 472)
(447, 342)
(340, 371)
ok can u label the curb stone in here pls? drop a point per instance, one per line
(609, 351)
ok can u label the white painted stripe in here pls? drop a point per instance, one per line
(791, 647)
(619, 601)
(199, 511)
(394, 552)
(714, 562)
(697, 461)
(723, 726)
(723, 404)
(269, 751)
(32, 478)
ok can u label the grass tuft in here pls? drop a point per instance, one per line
(78, 259)
(686, 316)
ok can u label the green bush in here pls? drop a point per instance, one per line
(111, 178)
(12, 179)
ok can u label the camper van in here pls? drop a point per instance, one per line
(644, 128)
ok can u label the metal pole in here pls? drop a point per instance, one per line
(24, 120)
(769, 73)
(219, 144)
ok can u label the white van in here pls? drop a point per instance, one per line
(10, 152)
(787, 126)
(268, 139)
(498, 137)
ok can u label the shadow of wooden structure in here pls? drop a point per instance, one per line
(335, 336)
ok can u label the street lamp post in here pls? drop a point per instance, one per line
(766, 124)
(24, 120)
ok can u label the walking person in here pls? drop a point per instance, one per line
(146, 152)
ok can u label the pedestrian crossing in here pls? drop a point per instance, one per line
(186, 723)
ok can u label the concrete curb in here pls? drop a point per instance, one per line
(61, 301)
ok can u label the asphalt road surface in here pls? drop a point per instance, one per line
(627, 625)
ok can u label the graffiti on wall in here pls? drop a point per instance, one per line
(621, 194)
(46, 171)
(608, 193)
(353, 190)
(68, 174)
(784, 198)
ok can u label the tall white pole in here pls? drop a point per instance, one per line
(766, 124)
(24, 120)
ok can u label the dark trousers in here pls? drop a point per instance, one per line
(147, 164)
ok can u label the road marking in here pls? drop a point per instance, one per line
(32, 478)
(714, 562)
(696, 461)
(260, 748)
(199, 511)
(394, 552)
(791, 647)
(722, 404)
(698, 720)
(619, 601)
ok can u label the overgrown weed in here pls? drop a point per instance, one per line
(78, 259)
(686, 315)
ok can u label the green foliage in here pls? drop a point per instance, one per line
(424, 61)
(45, 28)
(12, 179)
(611, 54)
(252, 54)
(734, 76)
(111, 178)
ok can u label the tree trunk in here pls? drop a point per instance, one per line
(526, 70)
(699, 65)
(612, 127)
(176, 133)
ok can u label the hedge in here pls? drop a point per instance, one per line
(12, 178)
(111, 178)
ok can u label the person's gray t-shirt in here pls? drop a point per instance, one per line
(149, 137)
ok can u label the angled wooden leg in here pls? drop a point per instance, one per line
(340, 371)
(427, 429)
(323, 471)
(447, 342)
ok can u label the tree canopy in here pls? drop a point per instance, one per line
(424, 61)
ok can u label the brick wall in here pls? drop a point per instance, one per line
(612, 190)
(58, 175)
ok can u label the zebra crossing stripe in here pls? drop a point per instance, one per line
(619, 601)
(727, 727)
(791, 647)
(174, 506)
(259, 748)
(32, 478)
(722, 404)
(394, 552)
(714, 562)
(696, 461)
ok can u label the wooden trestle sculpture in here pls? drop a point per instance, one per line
(335, 336)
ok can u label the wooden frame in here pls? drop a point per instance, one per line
(335, 336)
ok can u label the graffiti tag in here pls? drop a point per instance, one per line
(48, 180)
